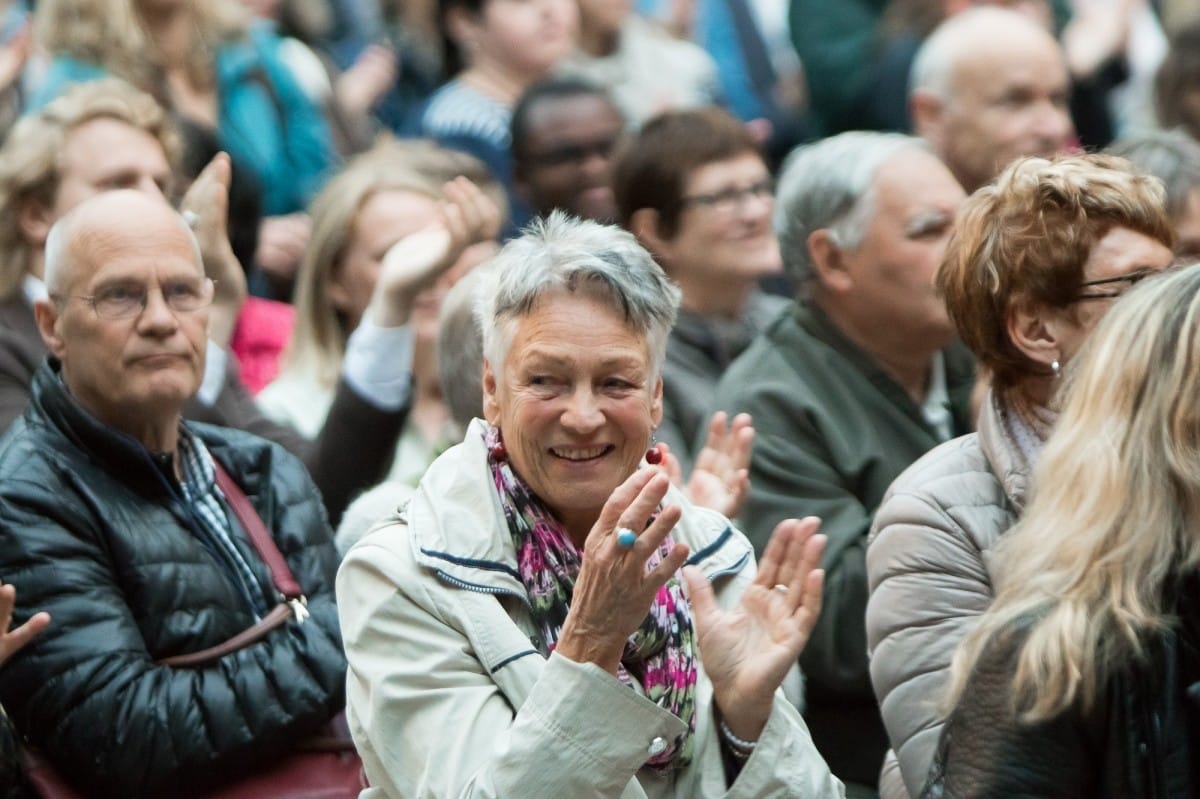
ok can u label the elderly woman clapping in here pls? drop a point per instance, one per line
(547, 616)
(1036, 260)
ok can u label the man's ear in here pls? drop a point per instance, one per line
(829, 262)
(1032, 333)
(491, 406)
(47, 316)
(926, 110)
(35, 220)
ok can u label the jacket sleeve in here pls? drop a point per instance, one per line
(928, 587)
(89, 694)
(309, 156)
(985, 753)
(17, 365)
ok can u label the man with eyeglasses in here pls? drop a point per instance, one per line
(564, 132)
(116, 517)
(106, 135)
(855, 383)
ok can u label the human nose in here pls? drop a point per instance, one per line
(149, 186)
(582, 413)
(156, 315)
(754, 203)
(1052, 125)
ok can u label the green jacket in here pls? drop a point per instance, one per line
(833, 431)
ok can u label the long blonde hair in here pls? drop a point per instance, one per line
(319, 336)
(1115, 513)
(109, 33)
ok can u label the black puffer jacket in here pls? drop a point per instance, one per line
(93, 531)
(1140, 740)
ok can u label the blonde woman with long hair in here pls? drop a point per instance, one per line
(1083, 678)
(1037, 258)
(367, 217)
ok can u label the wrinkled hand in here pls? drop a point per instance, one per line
(415, 262)
(721, 477)
(748, 650)
(12, 640)
(206, 205)
(614, 590)
(282, 241)
(359, 88)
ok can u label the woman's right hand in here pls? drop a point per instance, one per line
(415, 262)
(614, 590)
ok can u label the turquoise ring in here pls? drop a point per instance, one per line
(626, 537)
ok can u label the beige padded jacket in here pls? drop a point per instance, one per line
(928, 569)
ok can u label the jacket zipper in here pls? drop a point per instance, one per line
(481, 589)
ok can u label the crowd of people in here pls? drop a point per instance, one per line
(491, 398)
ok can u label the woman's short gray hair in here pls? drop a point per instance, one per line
(828, 185)
(567, 255)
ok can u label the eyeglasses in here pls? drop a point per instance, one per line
(127, 300)
(734, 197)
(1133, 278)
(575, 153)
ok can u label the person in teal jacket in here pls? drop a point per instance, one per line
(215, 69)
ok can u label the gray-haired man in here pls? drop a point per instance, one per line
(848, 389)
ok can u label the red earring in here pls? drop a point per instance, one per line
(498, 450)
(654, 455)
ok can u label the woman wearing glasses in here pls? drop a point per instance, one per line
(1083, 678)
(695, 190)
(1037, 258)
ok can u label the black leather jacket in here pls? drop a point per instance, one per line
(95, 532)
(1141, 739)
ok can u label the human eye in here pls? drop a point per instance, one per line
(118, 299)
(182, 294)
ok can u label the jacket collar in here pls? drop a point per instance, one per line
(959, 367)
(118, 452)
(1002, 453)
(457, 530)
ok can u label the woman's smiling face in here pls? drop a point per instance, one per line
(577, 401)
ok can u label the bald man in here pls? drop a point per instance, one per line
(114, 518)
(988, 86)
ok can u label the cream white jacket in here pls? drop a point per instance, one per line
(448, 695)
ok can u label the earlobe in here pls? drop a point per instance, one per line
(925, 109)
(829, 263)
(35, 222)
(644, 225)
(1032, 334)
(656, 403)
(491, 408)
(46, 314)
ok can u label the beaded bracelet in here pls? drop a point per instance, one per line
(739, 748)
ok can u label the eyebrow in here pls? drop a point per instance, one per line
(926, 219)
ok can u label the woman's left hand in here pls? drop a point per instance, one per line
(747, 651)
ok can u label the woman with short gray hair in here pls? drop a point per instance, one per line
(548, 616)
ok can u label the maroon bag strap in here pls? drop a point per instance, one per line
(281, 575)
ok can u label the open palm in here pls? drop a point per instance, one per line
(748, 650)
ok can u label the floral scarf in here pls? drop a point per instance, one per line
(660, 655)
